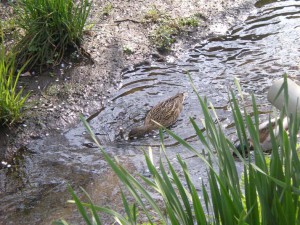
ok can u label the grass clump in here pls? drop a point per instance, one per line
(269, 194)
(50, 29)
(107, 9)
(12, 100)
(127, 50)
(165, 34)
(153, 16)
(167, 29)
(189, 21)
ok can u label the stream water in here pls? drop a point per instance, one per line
(256, 52)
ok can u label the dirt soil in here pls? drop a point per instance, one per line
(59, 96)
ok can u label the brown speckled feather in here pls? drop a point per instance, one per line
(165, 113)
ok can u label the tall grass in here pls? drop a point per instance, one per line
(51, 28)
(12, 100)
(269, 193)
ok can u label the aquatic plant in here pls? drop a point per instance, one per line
(269, 193)
(12, 100)
(50, 28)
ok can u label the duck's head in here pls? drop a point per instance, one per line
(242, 148)
(138, 132)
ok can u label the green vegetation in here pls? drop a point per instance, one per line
(269, 193)
(153, 16)
(11, 99)
(190, 22)
(127, 50)
(167, 29)
(107, 9)
(8, 28)
(164, 35)
(50, 28)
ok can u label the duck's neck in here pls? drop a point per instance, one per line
(145, 129)
(141, 131)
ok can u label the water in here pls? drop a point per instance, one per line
(256, 52)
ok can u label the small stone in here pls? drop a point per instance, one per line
(26, 74)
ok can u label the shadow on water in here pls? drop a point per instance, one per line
(256, 52)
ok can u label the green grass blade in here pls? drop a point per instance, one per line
(93, 209)
(184, 197)
(61, 222)
(131, 217)
(198, 210)
(130, 182)
(80, 207)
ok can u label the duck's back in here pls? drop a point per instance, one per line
(166, 112)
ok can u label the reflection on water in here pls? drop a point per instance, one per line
(256, 52)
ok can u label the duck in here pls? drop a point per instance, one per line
(264, 135)
(164, 114)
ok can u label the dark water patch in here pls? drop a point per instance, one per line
(138, 81)
(262, 3)
(261, 25)
(293, 17)
(95, 114)
(131, 91)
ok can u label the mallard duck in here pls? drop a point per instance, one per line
(165, 113)
(264, 135)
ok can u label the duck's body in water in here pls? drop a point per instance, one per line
(164, 113)
(264, 135)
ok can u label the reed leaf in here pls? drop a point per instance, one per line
(51, 28)
(12, 98)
